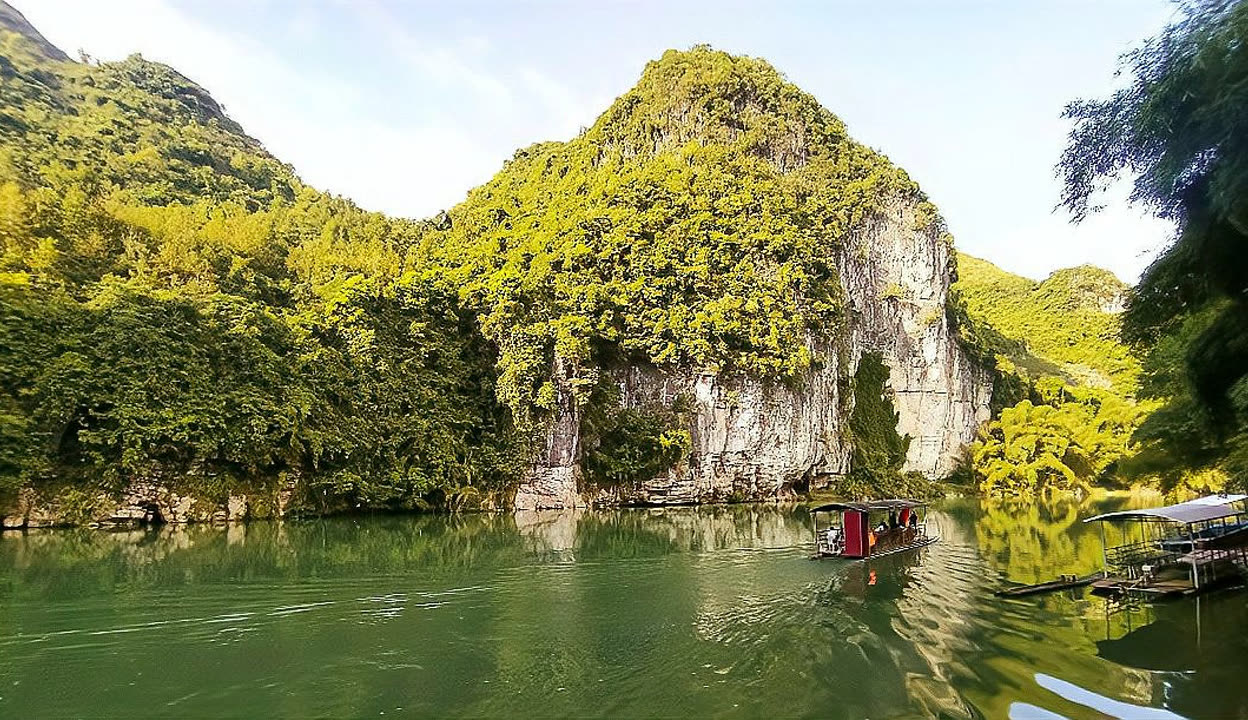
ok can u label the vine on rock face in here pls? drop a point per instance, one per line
(625, 446)
(879, 451)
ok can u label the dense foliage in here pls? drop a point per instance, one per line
(695, 224)
(1066, 326)
(879, 451)
(1179, 131)
(1065, 444)
(625, 446)
(176, 305)
(1066, 382)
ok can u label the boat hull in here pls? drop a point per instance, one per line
(921, 543)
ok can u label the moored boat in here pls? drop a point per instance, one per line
(871, 528)
(1175, 550)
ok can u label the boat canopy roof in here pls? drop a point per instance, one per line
(1211, 507)
(869, 505)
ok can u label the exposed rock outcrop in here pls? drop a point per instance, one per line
(755, 439)
(142, 503)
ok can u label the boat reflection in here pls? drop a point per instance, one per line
(1190, 648)
(885, 578)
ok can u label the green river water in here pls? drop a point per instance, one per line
(684, 612)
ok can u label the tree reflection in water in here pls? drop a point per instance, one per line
(688, 611)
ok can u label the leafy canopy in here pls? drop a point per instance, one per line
(1179, 128)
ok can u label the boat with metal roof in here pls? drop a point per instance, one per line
(1174, 550)
(871, 528)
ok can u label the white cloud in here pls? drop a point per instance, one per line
(569, 112)
(446, 65)
(425, 169)
(1120, 238)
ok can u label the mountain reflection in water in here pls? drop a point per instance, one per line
(685, 611)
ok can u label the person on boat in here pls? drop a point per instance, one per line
(834, 538)
(892, 520)
(914, 521)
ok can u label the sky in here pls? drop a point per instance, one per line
(405, 105)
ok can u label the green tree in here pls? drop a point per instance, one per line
(1064, 446)
(695, 224)
(1179, 130)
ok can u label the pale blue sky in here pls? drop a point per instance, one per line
(404, 106)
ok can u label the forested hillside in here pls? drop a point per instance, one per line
(179, 308)
(1066, 326)
(175, 305)
(697, 224)
(1065, 398)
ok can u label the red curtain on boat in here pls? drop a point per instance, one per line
(857, 540)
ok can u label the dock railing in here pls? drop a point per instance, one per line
(1129, 560)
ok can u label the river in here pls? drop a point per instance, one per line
(679, 612)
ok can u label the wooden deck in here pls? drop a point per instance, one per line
(1160, 589)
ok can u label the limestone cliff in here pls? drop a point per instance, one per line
(756, 439)
(719, 254)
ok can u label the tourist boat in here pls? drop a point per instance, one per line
(1175, 550)
(871, 529)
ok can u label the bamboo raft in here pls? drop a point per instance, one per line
(1063, 582)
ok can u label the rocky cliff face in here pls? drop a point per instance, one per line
(754, 439)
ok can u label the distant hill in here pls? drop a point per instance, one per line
(13, 21)
(184, 321)
(1064, 400)
(1066, 326)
